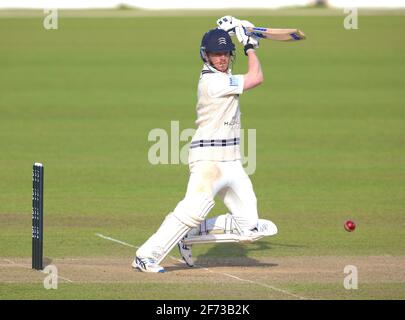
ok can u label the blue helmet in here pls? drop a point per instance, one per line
(216, 40)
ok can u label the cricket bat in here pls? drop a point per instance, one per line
(277, 34)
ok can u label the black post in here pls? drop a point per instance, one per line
(37, 215)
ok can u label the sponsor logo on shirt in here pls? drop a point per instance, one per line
(233, 81)
(235, 122)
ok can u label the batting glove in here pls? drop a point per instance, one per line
(248, 42)
(228, 23)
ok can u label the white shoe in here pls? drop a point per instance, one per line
(267, 227)
(186, 253)
(147, 265)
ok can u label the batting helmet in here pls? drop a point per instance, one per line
(216, 40)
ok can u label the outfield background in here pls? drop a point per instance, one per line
(182, 4)
(330, 147)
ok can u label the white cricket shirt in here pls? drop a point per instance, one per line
(218, 117)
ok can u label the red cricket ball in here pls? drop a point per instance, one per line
(349, 226)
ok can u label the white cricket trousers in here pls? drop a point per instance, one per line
(208, 179)
(229, 182)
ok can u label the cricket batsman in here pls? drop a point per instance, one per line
(214, 157)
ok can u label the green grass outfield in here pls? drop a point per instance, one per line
(330, 123)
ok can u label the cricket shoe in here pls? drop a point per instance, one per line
(186, 253)
(147, 265)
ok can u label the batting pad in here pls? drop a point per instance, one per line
(225, 223)
(188, 214)
(265, 228)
